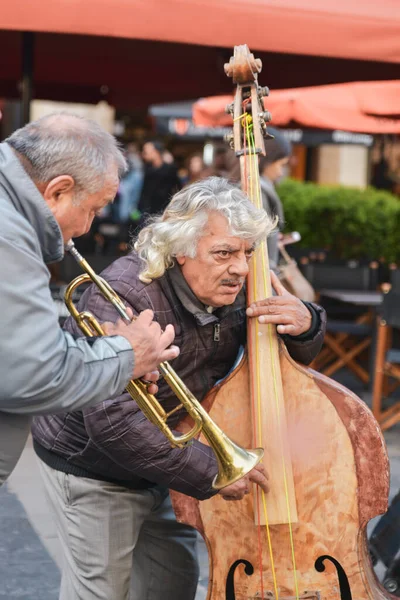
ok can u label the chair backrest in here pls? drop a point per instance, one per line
(390, 309)
(346, 277)
(395, 279)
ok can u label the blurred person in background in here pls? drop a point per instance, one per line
(221, 164)
(273, 167)
(160, 181)
(129, 192)
(131, 185)
(196, 168)
(168, 157)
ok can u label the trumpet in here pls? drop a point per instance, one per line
(234, 462)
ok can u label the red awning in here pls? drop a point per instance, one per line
(335, 28)
(368, 107)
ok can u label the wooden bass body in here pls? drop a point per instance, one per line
(341, 481)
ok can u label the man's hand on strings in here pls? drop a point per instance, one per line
(237, 491)
(286, 311)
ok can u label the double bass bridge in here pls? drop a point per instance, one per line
(271, 596)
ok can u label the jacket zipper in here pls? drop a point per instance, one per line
(216, 338)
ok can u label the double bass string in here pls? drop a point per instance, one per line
(274, 376)
(253, 395)
(273, 368)
(246, 123)
(255, 177)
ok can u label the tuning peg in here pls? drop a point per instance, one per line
(229, 139)
(266, 115)
(267, 135)
(263, 91)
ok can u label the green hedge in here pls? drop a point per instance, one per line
(349, 222)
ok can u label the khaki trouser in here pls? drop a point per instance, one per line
(14, 431)
(120, 544)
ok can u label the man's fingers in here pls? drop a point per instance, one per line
(107, 327)
(269, 305)
(277, 319)
(170, 353)
(286, 329)
(239, 495)
(152, 388)
(260, 479)
(167, 336)
(146, 316)
(261, 468)
(151, 377)
(129, 312)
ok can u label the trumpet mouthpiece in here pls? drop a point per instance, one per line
(69, 245)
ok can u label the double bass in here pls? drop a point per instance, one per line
(324, 451)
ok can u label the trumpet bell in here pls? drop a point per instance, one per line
(235, 463)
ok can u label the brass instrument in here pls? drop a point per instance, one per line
(233, 461)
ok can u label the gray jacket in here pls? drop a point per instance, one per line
(43, 369)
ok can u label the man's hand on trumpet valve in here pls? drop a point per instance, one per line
(150, 344)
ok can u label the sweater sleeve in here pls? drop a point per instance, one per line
(304, 348)
(124, 434)
(43, 369)
(121, 431)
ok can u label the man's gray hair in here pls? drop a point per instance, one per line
(178, 230)
(65, 144)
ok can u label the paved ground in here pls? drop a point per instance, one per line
(29, 550)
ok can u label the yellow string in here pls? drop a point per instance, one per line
(251, 144)
(276, 390)
(248, 124)
(241, 117)
(259, 443)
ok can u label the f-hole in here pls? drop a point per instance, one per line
(230, 580)
(344, 586)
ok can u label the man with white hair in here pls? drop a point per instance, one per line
(107, 470)
(55, 175)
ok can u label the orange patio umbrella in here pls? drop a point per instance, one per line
(368, 107)
(337, 28)
(137, 52)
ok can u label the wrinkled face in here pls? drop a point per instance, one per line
(75, 219)
(217, 273)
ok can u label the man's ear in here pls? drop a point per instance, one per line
(58, 189)
(180, 259)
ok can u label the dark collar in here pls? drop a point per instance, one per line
(193, 305)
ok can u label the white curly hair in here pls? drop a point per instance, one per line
(177, 231)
